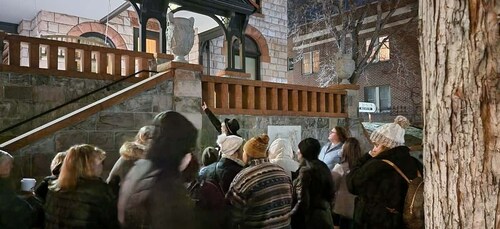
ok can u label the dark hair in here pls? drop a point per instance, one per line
(341, 133)
(351, 152)
(209, 156)
(174, 136)
(309, 148)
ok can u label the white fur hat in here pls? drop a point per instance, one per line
(229, 144)
(392, 134)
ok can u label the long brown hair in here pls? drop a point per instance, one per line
(79, 162)
(351, 152)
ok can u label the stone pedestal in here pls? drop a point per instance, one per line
(187, 91)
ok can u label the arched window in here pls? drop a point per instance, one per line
(252, 57)
(99, 37)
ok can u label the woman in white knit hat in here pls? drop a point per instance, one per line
(380, 188)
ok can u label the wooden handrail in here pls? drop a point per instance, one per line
(62, 58)
(249, 97)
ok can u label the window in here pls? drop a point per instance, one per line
(252, 55)
(152, 41)
(310, 62)
(384, 52)
(380, 96)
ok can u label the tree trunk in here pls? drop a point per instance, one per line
(459, 54)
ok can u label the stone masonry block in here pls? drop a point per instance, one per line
(103, 140)
(46, 16)
(18, 92)
(66, 19)
(116, 121)
(187, 88)
(143, 119)
(187, 104)
(47, 94)
(64, 29)
(53, 27)
(66, 139)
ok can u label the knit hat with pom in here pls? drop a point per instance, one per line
(392, 134)
(256, 147)
(229, 144)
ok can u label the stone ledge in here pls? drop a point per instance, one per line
(345, 86)
(179, 65)
(233, 74)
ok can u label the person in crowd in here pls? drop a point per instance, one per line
(15, 213)
(313, 189)
(260, 196)
(79, 198)
(153, 194)
(380, 189)
(343, 208)
(281, 153)
(129, 153)
(209, 156)
(228, 127)
(230, 163)
(55, 169)
(222, 174)
(331, 152)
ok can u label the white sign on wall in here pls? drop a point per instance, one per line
(367, 107)
(292, 133)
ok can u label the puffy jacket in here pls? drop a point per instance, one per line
(381, 190)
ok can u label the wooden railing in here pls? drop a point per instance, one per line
(51, 57)
(248, 97)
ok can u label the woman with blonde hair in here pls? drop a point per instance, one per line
(79, 198)
(130, 152)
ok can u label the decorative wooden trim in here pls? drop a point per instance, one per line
(226, 73)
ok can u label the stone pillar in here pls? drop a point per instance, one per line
(187, 90)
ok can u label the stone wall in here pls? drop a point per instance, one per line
(22, 96)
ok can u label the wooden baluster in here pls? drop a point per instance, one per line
(103, 62)
(274, 99)
(338, 103)
(224, 96)
(295, 98)
(130, 65)
(238, 96)
(284, 100)
(322, 105)
(262, 98)
(331, 103)
(52, 57)
(14, 52)
(143, 65)
(314, 101)
(304, 103)
(70, 59)
(87, 61)
(251, 98)
(34, 55)
(208, 90)
(117, 65)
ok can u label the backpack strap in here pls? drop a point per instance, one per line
(398, 170)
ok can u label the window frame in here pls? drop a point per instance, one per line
(377, 100)
(385, 46)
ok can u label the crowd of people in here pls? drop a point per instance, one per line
(262, 184)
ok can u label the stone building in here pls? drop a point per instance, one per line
(392, 81)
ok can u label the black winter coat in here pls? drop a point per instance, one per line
(313, 192)
(381, 190)
(14, 212)
(226, 171)
(152, 198)
(91, 204)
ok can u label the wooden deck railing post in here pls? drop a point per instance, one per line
(14, 52)
(52, 55)
(34, 55)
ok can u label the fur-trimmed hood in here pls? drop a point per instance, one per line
(132, 151)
